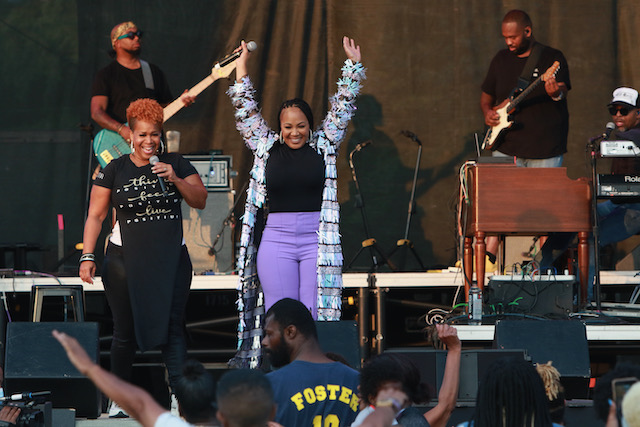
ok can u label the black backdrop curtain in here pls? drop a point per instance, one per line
(425, 61)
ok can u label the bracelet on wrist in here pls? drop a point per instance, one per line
(389, 403)
(87, 257)
(559, 97)
(120, 128)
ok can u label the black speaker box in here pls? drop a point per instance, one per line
(430, 363)
(35, 361)
(341, 337)
(564, 342)
(473, 366)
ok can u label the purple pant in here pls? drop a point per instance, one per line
(287, 258)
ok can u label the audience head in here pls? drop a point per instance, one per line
(390, 369)
(511, 394)
(631, 406)
(245, 399)
(602, 391)
(288, 324)
(553, 389)
(195, 391)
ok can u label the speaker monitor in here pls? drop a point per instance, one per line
(564, 342)
(341, 338)
(430, 363)
(473, 365)
(200, 228)
(35, 361)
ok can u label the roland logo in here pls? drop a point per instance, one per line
(631, 178)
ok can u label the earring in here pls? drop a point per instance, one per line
(310, 135)
(281, 138)
(131, 145)
(161, 151)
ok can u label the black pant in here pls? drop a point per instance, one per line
(123, 345)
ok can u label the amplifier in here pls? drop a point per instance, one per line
(618, 185)
(619, 149)
(214, 170)
(541, 295)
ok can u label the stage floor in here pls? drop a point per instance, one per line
(413, 281)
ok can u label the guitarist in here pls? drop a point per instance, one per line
(123, 81)
(538, 136)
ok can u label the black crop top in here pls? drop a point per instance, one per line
(295, 179)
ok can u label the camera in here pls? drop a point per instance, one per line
(30, 414)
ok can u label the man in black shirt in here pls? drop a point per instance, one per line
(538, 138)
(122, 82)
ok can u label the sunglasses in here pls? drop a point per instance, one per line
(131, 35)
(623, 110)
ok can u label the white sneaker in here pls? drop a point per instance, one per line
(174, 406)
(115, 411)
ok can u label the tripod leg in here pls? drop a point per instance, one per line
(354, 258)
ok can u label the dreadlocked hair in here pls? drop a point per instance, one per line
(553, 389)
(511, 394)
(550, 378)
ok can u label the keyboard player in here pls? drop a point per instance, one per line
(618, 221)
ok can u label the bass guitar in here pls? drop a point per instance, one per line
(109, 145)
(508, 106)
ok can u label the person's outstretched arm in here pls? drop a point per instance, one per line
(249, 122)
(448, 395)
(134, 400)
(334, 126)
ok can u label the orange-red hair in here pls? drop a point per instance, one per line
(147, 110)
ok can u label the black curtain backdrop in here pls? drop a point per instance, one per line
(425, 59)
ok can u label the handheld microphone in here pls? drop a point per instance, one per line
(411, 135)
(153, 160)
(235, 55)
(604, 135)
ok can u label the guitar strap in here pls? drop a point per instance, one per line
(527, 72)
(146, 74)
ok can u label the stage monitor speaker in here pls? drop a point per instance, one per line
(564, 342)
(341, 337)
(473, 365)
(35, 361)
(546, 295)
(200, 228)
(430, 363)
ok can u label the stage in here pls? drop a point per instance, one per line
(415, 281)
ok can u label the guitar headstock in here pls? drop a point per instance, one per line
(551, 71)
(223, 72)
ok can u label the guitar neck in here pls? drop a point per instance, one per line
(216, 73)
(513, 104)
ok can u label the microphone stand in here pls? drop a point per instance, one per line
(405, 242)
(369, 242)
(592, 146)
